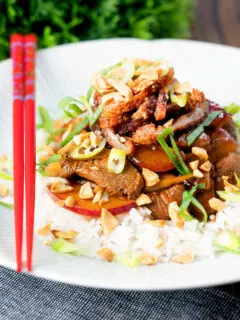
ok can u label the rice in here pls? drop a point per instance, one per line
(134, 233)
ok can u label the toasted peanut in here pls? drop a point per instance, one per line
(159, 243)
(67, 147)
(158, 223)
(197, 173)
(228, 186)
(70, 201)
(147, 259)
(78, 139)
(58, 124)
(143, 199)
(43, 158)
(3, 157)
(86, 191)
(53, 169)
(150, 177)
(108, 221)
(49, 150)
(106, 254)
(69, 130)
(194, 164)
(185, 257)
(3, 190)
(44, 231)
(105, 199)
(86, 143)
(60, 187)
(200, 153)
(60, 203)
(216, 204)
(168, 123)
(95, 139)
(206, 166)
(69, 235)
(183, 87)
(97, 197)
(173, 210)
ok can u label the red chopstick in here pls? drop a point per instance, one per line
(30, 43)
(17, 54)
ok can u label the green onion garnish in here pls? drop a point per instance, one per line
(197, 204)
(70, 107)
(46, 121)
(176, 157)
(200, 129)
(90, 93)
(5, 176)
(54, 158)
(228, 241)
(96, 115)
(76, 130)
(232, 108)
(6, 205)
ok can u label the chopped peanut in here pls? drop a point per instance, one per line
(158, 223)
(194, 164)
(58, 124)
(106, 254)
(70, 201)
(200, 153)
(228, 186)
(206, 166)
(147, 259)
(168, 123)
(197, 173)
(159, 243)
(44, 231)
(97, 197)
(105, 198)
(185, 257)
(67, 147)
(43, 158)
(60, 203)
(53, 169)
(150, 177)
(143, 199)
(173, 210)
(69, 235)
(3, 157)
(3, 190)
(216, 204)
(49, 150)
(69, 130)
(86, 191)
(108, 221)
(60, 187)
(94, 139)
(86, 143)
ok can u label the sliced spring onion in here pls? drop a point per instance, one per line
(87, 105)
(96, 115)
(232, 108)
(123, 73)
(54, 158)
(197, 204)
(178, 154)
(90, 93)
(179, 99)
(104, 71)
(76, 130)
(200, 129)
(229, 196)
(5, 176)
(6, 205)
(227, 240)
(128, 259)
(61, 245)
(70, 107)
(171, 155)
(46, 121)
(116, 160)
(83, 156)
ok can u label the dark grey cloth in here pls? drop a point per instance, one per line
(24, 297)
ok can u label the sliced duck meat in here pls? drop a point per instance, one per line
(161, 200)
(226, 167)
(128, 183)
(173, 109)
(231, 128)
(161, 106)
(191, 119)
(147, 134)
(195, 98)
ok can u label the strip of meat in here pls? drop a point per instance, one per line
(161, 106)
(128, 183)
(191, 119)
(231, 128)
(112, 114)
(147, 134)
(146, 109)
(97, 98)
(162, 199)
(115, 142)
(195, 98)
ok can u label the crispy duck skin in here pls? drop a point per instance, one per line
(161, 106)
(147, 134)
(195, 98)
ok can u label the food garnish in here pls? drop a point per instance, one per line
(150, 177)
(108, 221)
(185, 257)
(116, 160)
(106, 254)
(4, 190)
(6, 205)
(227, 240)
(147, 259)
(129, 259)
(63, 246)
(87, 153)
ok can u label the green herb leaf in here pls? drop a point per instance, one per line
(76, 130)
(46, 121)
(54, 158)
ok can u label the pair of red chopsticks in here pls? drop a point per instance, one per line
(23, 51)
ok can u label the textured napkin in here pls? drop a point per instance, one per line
(24, 297)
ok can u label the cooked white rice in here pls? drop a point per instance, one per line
(134, 234)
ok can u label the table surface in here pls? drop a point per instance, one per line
(217, 21)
